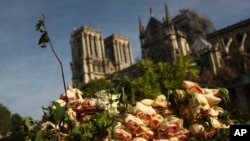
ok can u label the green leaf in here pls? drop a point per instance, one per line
(39, 24)
(57, 112)
(224, 94)
(43, 40)
(124, 98)
(28, 121)
(40, 136)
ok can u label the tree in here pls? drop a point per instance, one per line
(193, 24)
(17, 122)
(5, 120)
(89, 89)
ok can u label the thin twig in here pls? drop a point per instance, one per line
(60, 62)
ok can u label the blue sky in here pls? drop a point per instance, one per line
(30, 76)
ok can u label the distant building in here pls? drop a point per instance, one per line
(161, 40)
(231, 47)
(94, 57)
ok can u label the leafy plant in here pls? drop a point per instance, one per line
(124, 85)
(164, 78)
(93, 86)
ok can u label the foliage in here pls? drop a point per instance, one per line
(124, 85)
(11, 125)
(17, 124)
(147, 81)
(5, 120)
(235, 117)
(97, 125)
(90, 88)
(44, 39)
(163, 78)
(30, 128)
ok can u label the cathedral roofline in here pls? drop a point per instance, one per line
(115, 35)
(229, 28)
(85, 28)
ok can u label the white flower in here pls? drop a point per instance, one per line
(108, 101)
(102, 99)
(199, 105)
(112, 109)
(212, 100)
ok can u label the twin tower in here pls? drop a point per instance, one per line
(94, 57)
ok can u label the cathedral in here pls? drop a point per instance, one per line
(160, 40)
(95, 57)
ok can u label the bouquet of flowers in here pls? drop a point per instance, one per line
(72, 117)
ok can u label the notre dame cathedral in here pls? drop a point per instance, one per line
(95, 57)
(160, 41)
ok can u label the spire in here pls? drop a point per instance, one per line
(167, 14)
(169, 25)
(141, 28)
(151, 12)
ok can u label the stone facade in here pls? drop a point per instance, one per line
(231, 47)
(160, 40)
(94, 57)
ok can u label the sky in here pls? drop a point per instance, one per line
(30, 76)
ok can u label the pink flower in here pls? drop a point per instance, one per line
(169, 127)
(122, 134)
(155, 121)
(144, 112)
(191, 87)
(133, 123)
(145, 133)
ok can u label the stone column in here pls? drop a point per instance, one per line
(130, 54)
(121, 52)
(102, 47)
(99, 47)
(212, 60)
(227, 45)
(241, 47)
(87, 45)
(84, 54)
(116, 54)
(96, 49)
(92, 46)
(125, 50)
